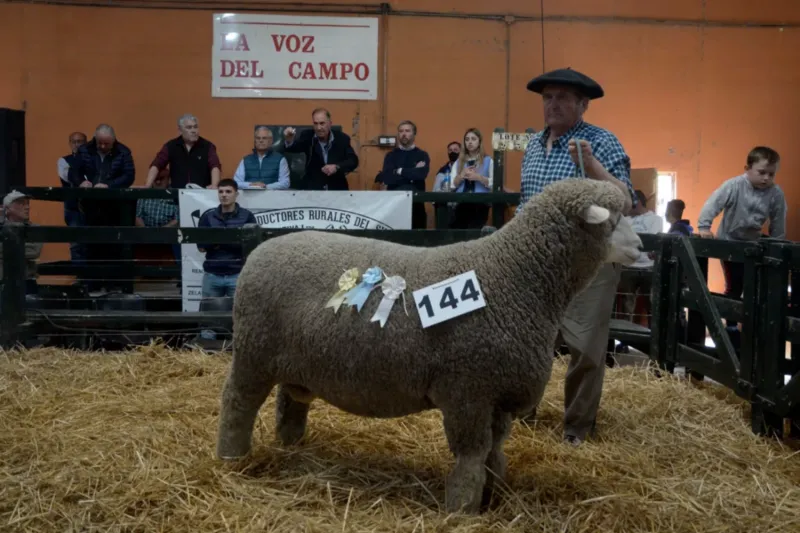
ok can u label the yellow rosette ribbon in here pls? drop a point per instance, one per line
(346, 282)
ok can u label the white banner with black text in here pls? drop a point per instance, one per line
(365, 210)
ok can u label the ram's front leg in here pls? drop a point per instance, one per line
(242, 396)
(469, 435)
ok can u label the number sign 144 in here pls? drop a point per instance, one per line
(449, 298)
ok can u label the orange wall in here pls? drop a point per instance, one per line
(682, 96)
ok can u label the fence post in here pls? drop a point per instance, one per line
(499, 162)
(250, 238)
(665, 306)
(695, 325)
(772, 301)
(12, 304)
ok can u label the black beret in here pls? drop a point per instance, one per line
(566, 76)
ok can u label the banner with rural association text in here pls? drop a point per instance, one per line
(290, 209)
(291, 56)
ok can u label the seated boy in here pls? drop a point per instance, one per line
(748, 201)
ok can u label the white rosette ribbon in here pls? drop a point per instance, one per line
(393, 287)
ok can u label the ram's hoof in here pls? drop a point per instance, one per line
(230, 457)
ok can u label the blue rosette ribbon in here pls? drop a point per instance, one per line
(358, 295)
(392, 288)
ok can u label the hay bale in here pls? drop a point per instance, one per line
(125, 442)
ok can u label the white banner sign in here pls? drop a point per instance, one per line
(288, 56)
(386, 210)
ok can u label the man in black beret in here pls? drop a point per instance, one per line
(552, 156)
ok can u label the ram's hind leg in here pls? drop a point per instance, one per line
(242, 397)
(469, 435)
(291, 414)
(496, 461)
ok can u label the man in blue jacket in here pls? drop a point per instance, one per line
(105, 163)
(223, 261)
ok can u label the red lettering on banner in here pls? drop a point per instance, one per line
(362, 71)
(294, 43)
(328, 71)
(240, 69)
(238, 42)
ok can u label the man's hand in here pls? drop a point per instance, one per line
(288, 135)
(86, 184)
(421, 164)
(100, 186)
(258, 185)
(586, 151)
(330, 170)
(212, 186)
(705, 233)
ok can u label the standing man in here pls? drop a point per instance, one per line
(264, 168)
(191, 158)
(104, 163)
(551, 156)
(72, 213)
(405, 169)
(223, 262)
(329, 157)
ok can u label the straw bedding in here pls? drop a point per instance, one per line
(125, 442)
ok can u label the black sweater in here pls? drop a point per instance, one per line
(412, 176)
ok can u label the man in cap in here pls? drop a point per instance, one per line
(552, 156)
(16, 212)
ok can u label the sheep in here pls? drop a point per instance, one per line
(480, 369)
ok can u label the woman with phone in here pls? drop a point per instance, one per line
(471, 173)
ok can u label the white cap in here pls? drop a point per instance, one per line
(13, 196)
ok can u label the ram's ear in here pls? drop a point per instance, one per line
(594, 214)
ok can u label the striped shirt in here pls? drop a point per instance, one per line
(540, 169)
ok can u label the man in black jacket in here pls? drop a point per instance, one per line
(329, 156)
(405, 169)
(105, 163)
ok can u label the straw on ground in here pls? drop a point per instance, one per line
(125, 442)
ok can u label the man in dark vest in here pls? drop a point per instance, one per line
(329, 156)
(264, 168)
(72, 214)
(191, 158)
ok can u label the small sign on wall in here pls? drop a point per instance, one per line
(286, 56)
(511, 142)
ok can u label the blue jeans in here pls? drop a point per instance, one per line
(216, 286)
(74, 219)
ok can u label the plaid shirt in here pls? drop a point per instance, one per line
(156, 212)
(540, 170)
